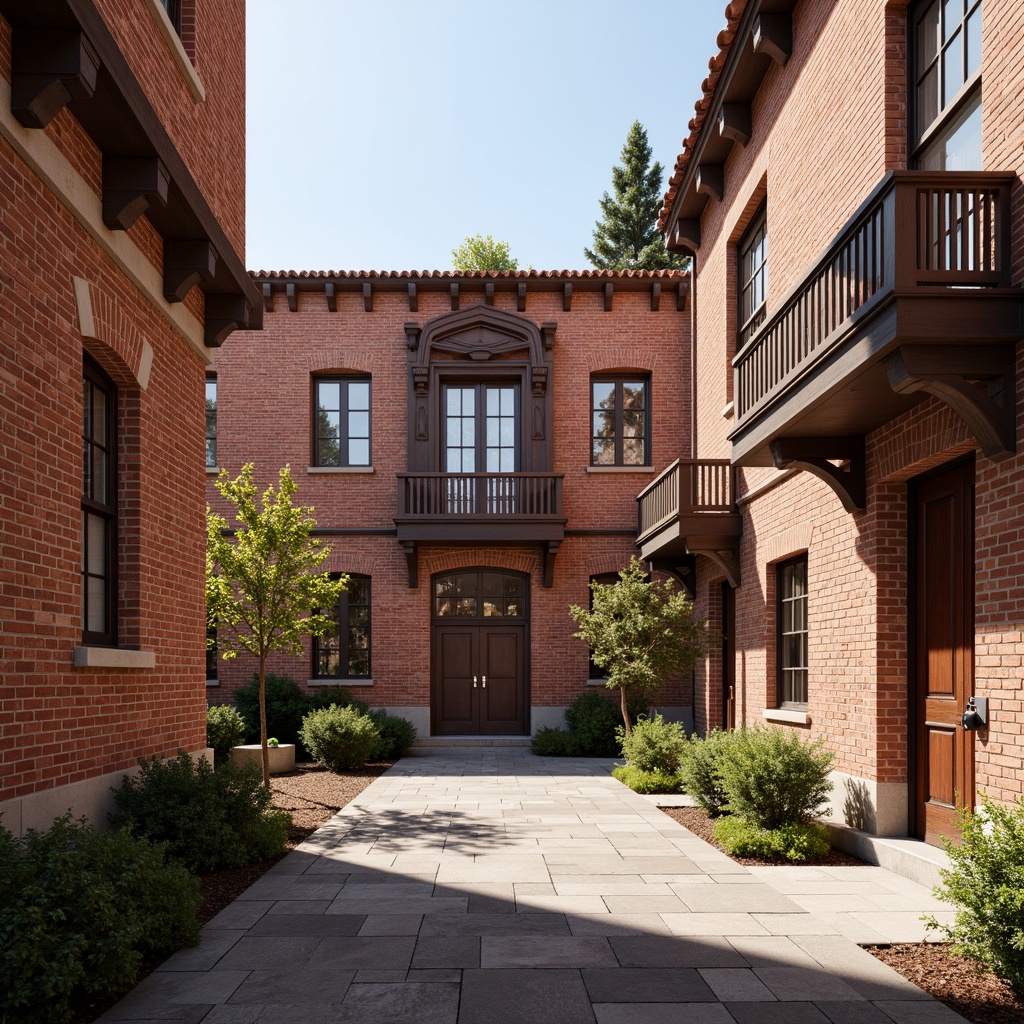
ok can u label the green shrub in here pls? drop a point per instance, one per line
(339, 738)
(396, 736)
(287, 705)
(794, 842)
(985, 883)
(654, 746)
(640, 781)
(548, 742)
(700, 773)
(340, 696)
(225, 728)
(81, 908)
(592, 719)
(208, 819)
(773, 777)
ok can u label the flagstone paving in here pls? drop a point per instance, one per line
(491, 885)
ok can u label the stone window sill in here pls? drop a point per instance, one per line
(597, 682)
(648, 470)
(213, 470)
(339, 682)
(112, 657)
(213, 682)
(787, 715)
(173, 42)
(339, 469)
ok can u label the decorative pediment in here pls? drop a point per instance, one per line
(478, 332)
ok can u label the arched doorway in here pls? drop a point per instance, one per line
(479, 660)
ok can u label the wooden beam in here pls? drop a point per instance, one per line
(187, 262)
(609, 293)
(734, 122)
(817, 455)
(567, 297)
(414, 299)
(489, 293)
(977, 382)
(773, 36)
(411, 563)
(224, 313)
(550, 553)
(726, 559)
(655, 296)
(682, 294)
(547, 334)
(682, 568)
(521, 297)
(47, 68)
(455, 295)
(332, 298)
(710, 181)
(268, 297)
(686, 236)
(293, 299)
(130, 187)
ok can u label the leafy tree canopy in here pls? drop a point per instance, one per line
(480, 252)
(627, 238)
(263, 592)
(640, 631)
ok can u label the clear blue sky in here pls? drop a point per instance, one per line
(382, 132)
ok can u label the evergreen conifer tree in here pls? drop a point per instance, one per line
(627, 237)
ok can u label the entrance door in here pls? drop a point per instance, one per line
(728, 656)
(942, 651)
(479, 670)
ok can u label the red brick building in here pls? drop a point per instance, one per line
(121, 228)
(472, 445)
(850, 191)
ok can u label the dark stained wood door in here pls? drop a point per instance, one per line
(728, 656)
(942, 582)
(479, 684)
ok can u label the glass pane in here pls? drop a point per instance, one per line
(958, 148)
(928, 100)
(453, 461)
(468, 433)
(633, 396)
(86, 469)
(99, 416)
(508, 401)
(493, 401)
(604, 424)
(358, 424)
(952, 69)
(96, 605)
(358, 591)
(507, 463)
(359, 395)
(604, 395)
(492, 608)
(99, 476)
(359, 663)
(492, 461)
(492, 432)
(97, 546)
(358, 452)
(927, 37)
(330, 423)
(454, 401)
(328, 394)
(952, 14)
(465, 606)
(974, 42)
(633, 452)
(468, 401)
(86, 408)
(603, 452)
(508, 433)
(633, 424)
(328, 452)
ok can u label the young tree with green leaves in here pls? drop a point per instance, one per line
(263, 592)
(640, 631)
(627, 238)
(479, 252)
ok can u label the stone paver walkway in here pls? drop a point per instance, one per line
(493, 886)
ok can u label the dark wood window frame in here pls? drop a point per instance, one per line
(343, 634)
(345, 436)
(620, 380)
(211, 422)
(968, 91)
(173, 9)
(99, 505)
(752, 274)
(791, 690)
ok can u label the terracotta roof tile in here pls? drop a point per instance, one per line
(523, 275)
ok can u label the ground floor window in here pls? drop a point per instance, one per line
(791, 633)
(344, 653)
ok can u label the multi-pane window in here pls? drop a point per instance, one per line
(345, 652)
(791, 641)
(341, 421)
(605, 579)
(947, 85)
(211, 421)
(479, 593)
(211, 652)
(620, 421)
(173, 9)
(99, 508)
(753, 271)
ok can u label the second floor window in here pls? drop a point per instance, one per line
(620, 421)
(753, 282)
(341, 421)
(211, 421)
(946, 38)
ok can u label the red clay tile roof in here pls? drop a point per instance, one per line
(524, 275)
(732, 16)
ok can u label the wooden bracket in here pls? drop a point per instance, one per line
(773, 36)
(655, 296)
(292, 297)
(727, 559)
(521, 297)
(411, 563)
(412, 335)
(550, 553)
(367, 296)
(455, 296)
(817, 455)
(414, 299)
(187, 262)
(224, 314)
(686, 235)
(47, 68)
(978, 382)
(682, 568)
(682, 295)
(547, 334)
(734, 122)
(130, 187)
(567, 297)
(268, 297)
(609, 292)
(489, 293)
(710, 181)
(331, 296)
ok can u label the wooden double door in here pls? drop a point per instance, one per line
(479, 671)
(942, 648)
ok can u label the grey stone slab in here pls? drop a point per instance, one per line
(662, 1013)
(386, 891)
(212, 946)
(240, 914)
(491, 905)
(417, 906)
(434, 976)
(674, 951)
(524, 997)
(645, 905)
(176, 987)
(713, 924)
(299, 907)
(801, 984)
(293, 986)
(291, 887)
(368, 975)
(793, 924)
(616, 924)
(918, 1012)
(300, 1013)
(400, 1004)
(773, 950)
(734, 984)
(391, 924)
(853, 1013)
(228, 1014)
(448, 951)
(181, 1014)
(543, 951)
(308, 925)
(859, 969)
(744, 899)
(776, 1013)
(267, 953)
(647, 985)
(376, 953)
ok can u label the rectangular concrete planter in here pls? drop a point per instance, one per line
(282, 758)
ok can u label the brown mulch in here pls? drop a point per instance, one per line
(970, 990)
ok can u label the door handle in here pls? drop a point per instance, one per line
(485, 682)
(474, 682)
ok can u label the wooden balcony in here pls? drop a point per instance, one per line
(480, 508)
(913, 297)
(689, 510)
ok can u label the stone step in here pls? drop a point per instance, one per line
(433, 744)
(901, 855)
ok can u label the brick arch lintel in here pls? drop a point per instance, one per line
(112, 337)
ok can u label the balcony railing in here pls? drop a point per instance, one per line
(701, 489)
(917, 233)
(498, 496)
